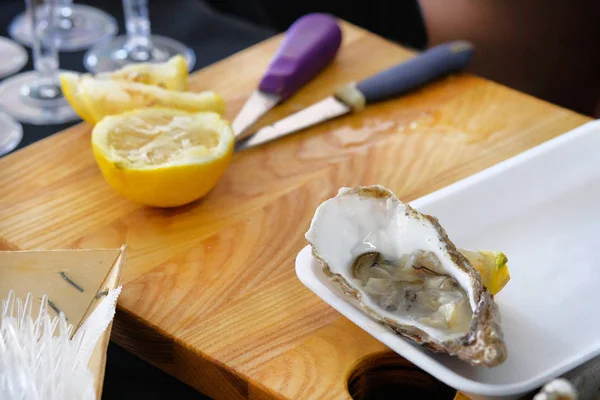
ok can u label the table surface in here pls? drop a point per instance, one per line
(210, 292)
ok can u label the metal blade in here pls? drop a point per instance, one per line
(322, 111)
(255, 107)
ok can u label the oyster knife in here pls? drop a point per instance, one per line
(420, 70)
(309, 45)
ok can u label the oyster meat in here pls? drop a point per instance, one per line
(406, 273)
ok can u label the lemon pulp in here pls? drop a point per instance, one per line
(163, 157)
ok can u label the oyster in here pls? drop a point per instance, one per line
(407, 274)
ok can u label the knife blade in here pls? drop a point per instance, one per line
(401, 78)
(308, 46)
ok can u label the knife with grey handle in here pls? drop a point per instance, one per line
(426, 67)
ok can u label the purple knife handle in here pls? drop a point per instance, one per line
(308, 46)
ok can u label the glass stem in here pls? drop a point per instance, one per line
(137, 24)
(45, 54)
(64, 12)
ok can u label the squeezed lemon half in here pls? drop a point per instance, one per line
(163, 157)
(94, 98)
(107, 97)
(135, 86)
(69, 84)
(171, 75)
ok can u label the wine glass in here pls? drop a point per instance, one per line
(35, 96)
(139, 45)
(13, 57)
(77, 26)
(11, 133)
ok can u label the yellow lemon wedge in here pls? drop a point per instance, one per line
(172, 74)
(69, 84)
(110, 97)
(163, 157)
(492, 266)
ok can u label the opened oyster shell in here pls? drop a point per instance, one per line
(406, 273)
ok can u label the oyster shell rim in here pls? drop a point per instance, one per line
(483, 344)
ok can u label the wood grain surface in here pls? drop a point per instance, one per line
(210, 291)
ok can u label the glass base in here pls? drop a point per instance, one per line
(109, 56)
(79, 27)
(13, 56)
(29, 99)
(11, 134)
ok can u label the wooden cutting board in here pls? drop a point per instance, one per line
(210, 291)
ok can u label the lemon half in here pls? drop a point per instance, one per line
(163, 157)
(69, 84)
(171, 74)
(110, 97)
(135, 86)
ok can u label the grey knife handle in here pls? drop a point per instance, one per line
(424, 68)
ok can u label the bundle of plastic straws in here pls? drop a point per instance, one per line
(39, 360)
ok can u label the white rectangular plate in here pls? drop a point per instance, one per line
(542, 209)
